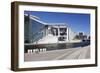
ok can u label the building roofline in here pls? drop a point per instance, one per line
(38, 20)
(58, 24)
(50, 24)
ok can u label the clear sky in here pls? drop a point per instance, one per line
(77, 22)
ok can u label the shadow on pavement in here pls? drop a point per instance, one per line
(56, 46)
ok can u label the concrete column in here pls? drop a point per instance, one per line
(67, 34)
(40, 50)
(29, 50)
(58, 33)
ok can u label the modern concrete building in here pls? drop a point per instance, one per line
(39, 32)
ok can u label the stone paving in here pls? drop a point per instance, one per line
(63, 54)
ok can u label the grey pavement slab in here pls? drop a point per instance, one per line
(63, 54)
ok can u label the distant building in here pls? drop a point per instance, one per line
(82, 36)
(36, 31)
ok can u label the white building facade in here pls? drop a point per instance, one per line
(38, 32)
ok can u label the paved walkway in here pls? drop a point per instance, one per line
(71, 53)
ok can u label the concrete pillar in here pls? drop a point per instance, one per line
(40, 50)
(33, 50)
(67, 34)
(58, 33)
(29, 50)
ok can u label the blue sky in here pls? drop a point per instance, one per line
(77, 22)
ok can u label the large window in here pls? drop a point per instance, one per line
(63, 31)
(54, 31)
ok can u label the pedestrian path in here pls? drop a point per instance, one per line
(71, 53)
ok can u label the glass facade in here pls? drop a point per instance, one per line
(37, 30)
(34, 30)
(26, 29)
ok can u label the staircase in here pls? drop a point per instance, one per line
(47, 39)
